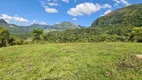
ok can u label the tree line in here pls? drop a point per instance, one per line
(97, 34)
(93, 34)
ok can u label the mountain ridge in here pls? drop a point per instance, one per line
(3, 22)
(15, 29)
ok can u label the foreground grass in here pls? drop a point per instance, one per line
(71, 61)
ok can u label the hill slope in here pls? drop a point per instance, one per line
(65, 25)
(130, 15)
(3, 22)
(26, 30)
(22, 29)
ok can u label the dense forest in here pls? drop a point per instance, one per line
(98, 34)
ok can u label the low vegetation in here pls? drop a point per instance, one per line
(71, 61)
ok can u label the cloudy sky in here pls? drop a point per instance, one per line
(83, 12)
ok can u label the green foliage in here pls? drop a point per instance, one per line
(3, 36)
(97, 34)
(37, 34)
(3, 33)
(14, 40)
(7, 39)
(136, 34)
(130, 15)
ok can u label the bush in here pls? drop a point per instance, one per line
(136, 34)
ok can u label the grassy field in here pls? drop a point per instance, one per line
(71, 61)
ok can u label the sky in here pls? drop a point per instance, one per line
(50, 12)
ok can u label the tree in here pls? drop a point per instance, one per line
(37, 34)
(3, 36)
(136, 34)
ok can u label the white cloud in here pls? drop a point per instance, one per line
(51, 10)
(66, 1)
(13, 18)
(43, 23)
(52, 4)
(48, 9)
(6, 17)
(124, 2)
(86, 9)
(38, 22)
(74, 19)
(105, 13)
(34, 22)
(20, 19)
(108, 11)
(106, 6)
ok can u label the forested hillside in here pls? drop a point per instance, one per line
(130, 15)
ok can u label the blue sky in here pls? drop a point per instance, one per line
(82, 12)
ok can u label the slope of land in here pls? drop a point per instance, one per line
(130, 15)
(71, 61)
(27, 30)
(24, 31)
(3, 22)
(65, 25)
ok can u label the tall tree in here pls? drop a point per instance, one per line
(37, 34)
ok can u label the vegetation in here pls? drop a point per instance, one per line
(136, 34)
(77, 61)
(97, 34)
(7, 39)
(130, 15)
(3, 36)
(37, 34)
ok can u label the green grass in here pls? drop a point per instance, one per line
(71, 61)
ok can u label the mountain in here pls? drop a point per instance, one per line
(39, 26)
(3, 22)
(26, 30)
(16, 28)
(130, 15)
(65, 25)
(22, 30)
